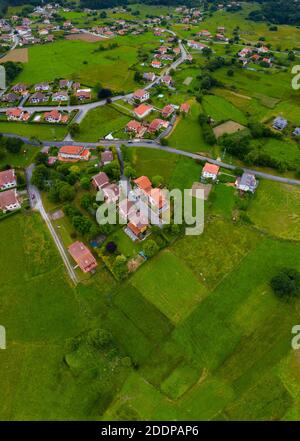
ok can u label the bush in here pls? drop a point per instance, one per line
(286, 284)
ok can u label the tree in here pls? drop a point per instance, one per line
(286, 284)
(39, 175)
(74, 129)
(119, 267)
(66, 192)
(157, 181)
(104, 93)
(85, 183)
(86, 201)
(41, 158)
(111, 247)
(150, 248)
(129, 171)
(112, 170)
(13, 145)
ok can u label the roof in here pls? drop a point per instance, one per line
(55, 114)
(142, 109)
(140, 93)
(155, 125)
(168, 109)
(158, 197)
(211, 168)
(7, 176)
(71, 150)
(107, 156)
(133, 125)
(247, 180)
(8, 197)
(144, 183)
(101, 179)
(185, 107)
(82, 256)
(14, 112)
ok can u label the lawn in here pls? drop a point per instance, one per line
(22, 159)
(221, 110)
(177, 299)
(100, 122)
(39, 131)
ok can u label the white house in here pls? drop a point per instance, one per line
(7, 179)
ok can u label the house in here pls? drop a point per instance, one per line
(196, 45)
(157, 198)
(107, 157)
(143, 110)
(8, 179)
(167, 80)
(42, 87)
(38, 97)
(185, 108)
(65, 84)
(246, 182)
(157, 124)
(17, 114)
(60, 96)
(53, 117)
(149, 76)
(126, 208)
(76, 86)
(263, 50)
(296, 132)
(10, 98)
(210, 171)
(100, 180)
(19, 88)
(204, 33)
(72, 153)
(280, 123)
(83, 94)
(136, 127)
(9, 200)
(83, 257)
(162, 50)
(156, 64)
(137, 226)
(154, 196)
(167, 111)
(141, 95)
(245, 52)
(221, 37)
(111, 193)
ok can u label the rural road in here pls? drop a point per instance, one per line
(37, 204)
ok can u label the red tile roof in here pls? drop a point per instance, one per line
(7, 177)
(211, 168)
(82, 256)
(144, 183)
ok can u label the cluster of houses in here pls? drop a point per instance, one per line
(258, 55)
(189, 16)
(43, 92)
(53, 116)
(138, 127)
(9, 198)
(246, 183)
(281, 123)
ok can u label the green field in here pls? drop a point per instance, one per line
(34, 130)
(79, 61)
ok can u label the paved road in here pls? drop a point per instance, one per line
(37, 204)
(155, 145)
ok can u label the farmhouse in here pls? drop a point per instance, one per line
(70, 153)
(9, 201)
(65, 84)
(100, 180)
(19, 88)
(247, 182)
(156, 64)
(157, 124)
(106, 157)
(210, 171)
(42, 87)
(83, 257)
(167, 111)
(141, 95)
(154, 196)
(196, 45)
(167, 80)
(137, 226)
(83, 94)
(17, 114)
(185, 108)
(143, 110)
(111, 193)
(280, 123)
(204, 33)
(7, 179)
(149, 76)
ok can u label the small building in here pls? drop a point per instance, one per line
(83, 257)
(107, 157)
(167, 80)
(42, 87)
(167, 111)
(126, 208)
(38, 97)
(9, 200)
(65, 84)
(60, 96)
(143, 110)
(156, 64)
(280, 123)
(185, 108)
(210, 171)
(137, 226)
(8, 179)
(17, 114)
(296, 132)
(53, 117)
(149, 76)
(246, 183)
(111, 193)
(72, 153)
(83, 94)
(19, 88)
(100, 180)
(141, 95)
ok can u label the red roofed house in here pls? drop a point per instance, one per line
(210, 171)
(185, 108)
(143, 110)
(17, 114)
(136, 127)
(107, 157)
(53, 117)
(83, 94)
(9, 201)
(141, 95)
(111, 193)
(100, 180)
(83, 257)
(7, 179)
(167, 111)
(157, 198)
(156, 64)
(143, 183)
(154, 196)
(167, 80)
(72, 153)
(157, 124)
